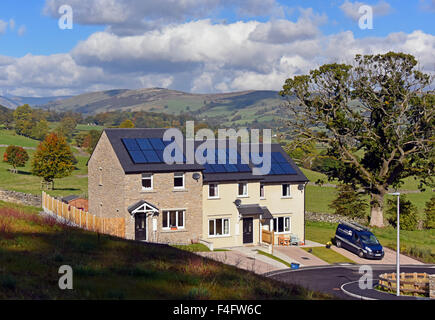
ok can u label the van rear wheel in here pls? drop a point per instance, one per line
(360, 254)
(338, 243)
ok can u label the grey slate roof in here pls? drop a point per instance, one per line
(116, 134)
(69, 198)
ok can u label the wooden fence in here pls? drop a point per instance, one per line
(83, 219)
(410, 283)
(267, 236)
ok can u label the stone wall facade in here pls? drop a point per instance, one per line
(111, 192)
(432, 286)
(332, 218)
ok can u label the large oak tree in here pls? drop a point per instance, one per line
(375, 116)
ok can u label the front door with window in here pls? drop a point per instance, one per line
(140, 226)
(248, 232)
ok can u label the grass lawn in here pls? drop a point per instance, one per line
(419, 244)
(9, 137)
(24, 181)
(194, 247)
(328, 255)
(33, 248)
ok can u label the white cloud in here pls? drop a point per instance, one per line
(130, 17)
(21, 30)
(12, 24)
(350, 9)
(201, 56)
(3, 26)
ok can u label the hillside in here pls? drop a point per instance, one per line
(32, 249)
(239, 108)
(12, 102)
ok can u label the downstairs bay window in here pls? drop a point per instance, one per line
(219, 227)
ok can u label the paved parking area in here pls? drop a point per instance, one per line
(298, 255)
(389, 257)
(240, 260)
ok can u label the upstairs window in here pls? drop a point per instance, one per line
(242, 189)
(261, 191)
(179, 180)
(213, 190)
(147, 181)
(286, 190)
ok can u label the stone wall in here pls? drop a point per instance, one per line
(20, 198)
(332, 218)
(432, 286)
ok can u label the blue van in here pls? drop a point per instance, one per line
(358, 239)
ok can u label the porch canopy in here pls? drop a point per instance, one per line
(254, 209)
(142, 206)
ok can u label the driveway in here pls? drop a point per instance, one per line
(298, 255)
(241, 260)
(389, 257)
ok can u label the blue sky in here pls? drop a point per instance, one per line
(136, 43)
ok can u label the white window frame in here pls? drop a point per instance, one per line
(216, 196)
(242, 195)
(177, 175)
(167, 213)
(289, 190)
(286, 218)
(264, 191)
(148, 176)
(223, 228)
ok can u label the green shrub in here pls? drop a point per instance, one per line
(349, 202)
(8, 282)
(408, 214)
(429, 221)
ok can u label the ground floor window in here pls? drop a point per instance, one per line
(281, 224)
(219, 227)
(173, 219)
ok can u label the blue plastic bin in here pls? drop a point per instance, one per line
(295, 265)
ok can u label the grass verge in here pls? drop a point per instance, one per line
(32, 249)
(328, 255)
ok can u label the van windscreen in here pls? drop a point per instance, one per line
(369, 239)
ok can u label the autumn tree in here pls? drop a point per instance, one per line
(53, 159)
(126, 124)
(66, 127)
(16, 156)
(23, 120)
(40, 130)
(376, 117)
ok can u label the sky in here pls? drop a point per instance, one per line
(198, 46)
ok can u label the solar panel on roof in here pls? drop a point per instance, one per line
(131, 144)
(230, 168)
(208, 168)
(137, 156)
(288, 169)
(278, 157)
(144, 144)
(157, 143)
(151, 156)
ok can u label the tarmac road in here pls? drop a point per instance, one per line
(329, 279)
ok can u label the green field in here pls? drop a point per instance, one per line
(9, 137)
(32, 249)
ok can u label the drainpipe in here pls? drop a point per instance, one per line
(305, 195)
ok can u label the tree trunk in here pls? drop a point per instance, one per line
(377, 210)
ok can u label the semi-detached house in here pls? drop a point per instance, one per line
(180, 203)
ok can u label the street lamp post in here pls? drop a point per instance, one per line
(398, 244)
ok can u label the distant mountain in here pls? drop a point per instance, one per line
(224, 108)
(12, 102)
